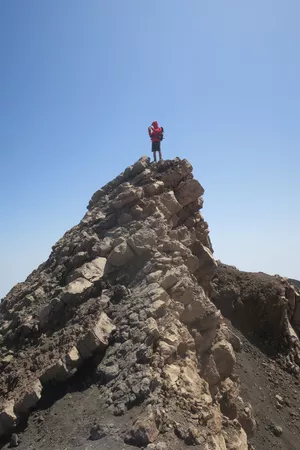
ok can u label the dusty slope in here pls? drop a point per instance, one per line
(262, 311)
(126, 294)
(262, 379)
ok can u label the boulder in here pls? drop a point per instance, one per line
(209, 371)
(170, 204)
(30, 398)
(188, 191)
(181, 170)
(224, 358)
(151, 328)
(139, 166)
(103, 247)
(169, 279)
(124, 219)
(154, 188)
(143, 241)
(157, 309)
(74, 291)
(92, 271)
(120, 255)
(236, 438)
(171, 374)
(96, 197)
(144, 431)
(97, 338)
(56, 372)
(130, 196)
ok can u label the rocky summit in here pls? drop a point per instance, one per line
(117, 340)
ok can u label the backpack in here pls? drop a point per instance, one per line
(162, 133)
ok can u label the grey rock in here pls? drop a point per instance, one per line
(97, 432)
(14, 440)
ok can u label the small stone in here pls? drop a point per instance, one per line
(279, 398)
(97, 432)
(14, 440)
(277, 431)
(120, 409)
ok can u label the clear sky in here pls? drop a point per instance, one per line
(80, 81)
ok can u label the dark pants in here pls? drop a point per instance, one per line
(156, 148)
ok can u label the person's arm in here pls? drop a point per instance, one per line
(150, 131)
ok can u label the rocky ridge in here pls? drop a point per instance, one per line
(128, 290)
(264, 306)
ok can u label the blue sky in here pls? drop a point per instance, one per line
(81, 81)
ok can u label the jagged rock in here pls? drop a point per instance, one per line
(124, 219)
(129, 196)
(92, 271)
(55, 373)
(104, 247)
(73, 360)
(139, 166)
(144, 430)
(174, 175)
(120, 255)
(154, 188)
(30, 398)
(189, 191)
(143, 241)
(108, 372)
(74, 291)
(97, 338)
(210, 372)
(224, 358)
(169, 204)
(151, 328)
(170, 278)
(128, 289)
(96, 197)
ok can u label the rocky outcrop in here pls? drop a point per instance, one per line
(128, 289)
(262, 305)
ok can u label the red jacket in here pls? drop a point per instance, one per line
(155, 132)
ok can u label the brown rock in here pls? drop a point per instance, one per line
(143, 241)
(224, 358)
(97, 338)
(188, 192)
(120, 255)
(74, 291)
(92, 271)
(30, 398)
(144, 430)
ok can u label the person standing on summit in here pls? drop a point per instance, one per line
(156, 134)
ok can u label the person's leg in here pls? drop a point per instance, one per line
(153, 149)
(159, 151)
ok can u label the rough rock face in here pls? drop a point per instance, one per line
(268, 306)
(128, 289)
